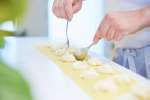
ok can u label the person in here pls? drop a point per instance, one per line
(128, 29)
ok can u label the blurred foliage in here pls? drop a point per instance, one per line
(12, 85)
(2, 34)
(2, 42)
(10, 10)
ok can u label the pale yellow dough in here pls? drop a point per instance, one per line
(105, 70)
(127, 96)
(107, 85)
(90, 73)
(55, 47)
(142, 91)
(68, 57)
(93, 61)
(123, 79)
(60, 52)
(80, 65)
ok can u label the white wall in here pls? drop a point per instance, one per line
(36, 21)
(81, 29)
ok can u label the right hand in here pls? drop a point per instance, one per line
(116, 25)
(66, 8)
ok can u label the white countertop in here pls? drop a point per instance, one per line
(47, 81)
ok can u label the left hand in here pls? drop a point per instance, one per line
(66, 8)
(118, 24)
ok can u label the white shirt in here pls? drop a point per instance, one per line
(139, 39)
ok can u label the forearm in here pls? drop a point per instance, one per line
(145, 16)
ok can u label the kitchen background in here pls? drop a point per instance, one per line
(21, 62)
(40, 21)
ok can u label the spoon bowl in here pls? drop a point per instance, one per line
(82, 53)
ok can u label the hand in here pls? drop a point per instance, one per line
(116, 25)
(66, 8)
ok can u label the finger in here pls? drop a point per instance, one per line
(110, 33)
(97, 36)
(68, 9)
(57, 7)
(104, 27)
(118, 38)
(54, 6)
(77, 6)
(62, 13)
(99, 33)
(119, 34)
(95, 40)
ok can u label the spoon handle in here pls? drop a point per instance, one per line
(90, 46)
(68, 43)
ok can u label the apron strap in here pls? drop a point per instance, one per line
(147, 61)
(129, 58)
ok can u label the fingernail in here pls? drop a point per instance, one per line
(70, 17)
(95, 41)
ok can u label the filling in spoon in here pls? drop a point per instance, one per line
(82, 53)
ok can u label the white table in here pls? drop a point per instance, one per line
(46, 80)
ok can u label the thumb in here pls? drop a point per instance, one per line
(77, 6)
(96, 38)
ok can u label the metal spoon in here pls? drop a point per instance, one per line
(68, 43)
(82, 53)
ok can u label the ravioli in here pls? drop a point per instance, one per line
(127, 96)
(105, 70)
(60, 52)
(107, 85)
(93, 61)
(68, 57)
(123, 79)
(80, 65)
(90, 73)
(142, 91)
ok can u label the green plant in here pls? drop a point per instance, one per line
(10, 10)
(12, 84)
